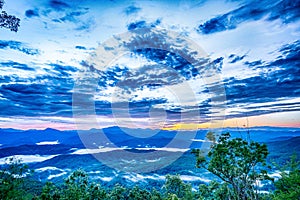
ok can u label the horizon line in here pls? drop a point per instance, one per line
(162, 129)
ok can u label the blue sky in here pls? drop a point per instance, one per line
(254, 44)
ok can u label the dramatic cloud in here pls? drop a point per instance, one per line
(16, 45)
(62, 12)
(286, 10)
(58, 5)
(142, 24)
(45, 95)
(131, 10)
(257, 62)
(234, 58)
(16, 65)
(32, 13)
(282, 74)
(80, 47)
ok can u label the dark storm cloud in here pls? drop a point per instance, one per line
(290, 55)
(170, 69)
(149, 76)
(32, 13)
(16, 45)
(67, 12)
(86, 25)
(16, 65)
(287, 61)
(135, 25)
(82, 24)
(58, 5)
(285, 10)
(177, 63)
(102, 108)
(167, 69)
(63, 70)
(72, 16)
(131, 10)
(142, 24)
(36, 99)
(218, 63)
(44, 95)
(24, 89)
(255, 63)
(80, 47)
(259, 89)
(235, 58)
(281, 80)
(110, 77)
(135, 108)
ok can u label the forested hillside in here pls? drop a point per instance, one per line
(240, 168)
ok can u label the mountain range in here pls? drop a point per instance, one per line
(53, 154)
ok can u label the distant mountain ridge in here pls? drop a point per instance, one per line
(53, 153)
(119, 136)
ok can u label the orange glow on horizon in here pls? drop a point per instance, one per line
(286, 119)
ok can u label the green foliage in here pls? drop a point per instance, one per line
(172, 197)
(211, 137)
(214, 191)
(175, 186)
(156, 195)
(139, 194)
(76, 185)
(12, 179)
(96, 192)
(49, 192)
(288, 186)
(118, 192)
(235, 162)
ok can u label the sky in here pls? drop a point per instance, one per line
(253, 48)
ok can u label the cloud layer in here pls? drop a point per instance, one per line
(41, 64)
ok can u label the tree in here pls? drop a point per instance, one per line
(235, 162)
(8, 21)
(213, 191)
(176, 188)
(49, 192)
(288, 186)
(156, 195)
(139, 194)
(76, 185)
(211, 137)
(172, 197)
(118, 192)
(12, 179)
(96, 192)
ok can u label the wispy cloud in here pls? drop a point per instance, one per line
(15, 65)
(143, 24)
(150, 86)
(58, 5)
(282, 74)
(132, 10)
(287, 11)
(62, 12)
(46, 94)
(19, 46)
